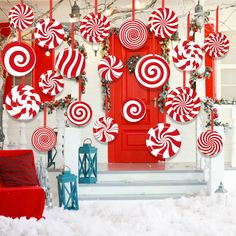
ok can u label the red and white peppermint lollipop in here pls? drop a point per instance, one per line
(134, 110)
(133, 34)
(152, 71)
(216, 45)
(21, 16)
(23, 103)
(95, 27)
(110, 68)
(187, 56)
(163, 22)
(105, 129)
(70, 62)
(51, 83)
(183, 104)
(18, 58)
(210, 143)
(79, 113)
(163, 141)
(49, 33)
(44, 139)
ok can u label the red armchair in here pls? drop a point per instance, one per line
(20, 192)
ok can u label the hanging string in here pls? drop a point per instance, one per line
(217, 19)
(50, 9)
(96, 6)
(72, 35)
(133, 10)
(44, 116)
(212, 120)
(163, 4)
(188, 26)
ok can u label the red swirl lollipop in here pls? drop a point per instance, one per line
(163, 22)
(152, 71)
(18, 58)
(183, 105)
(163, 141)
(105, 129)
(21, 16)
(44, 139)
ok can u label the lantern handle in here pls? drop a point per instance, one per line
(88, 139)
(65, 166)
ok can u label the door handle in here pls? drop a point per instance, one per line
(154, 102)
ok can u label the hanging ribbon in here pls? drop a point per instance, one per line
(50, 9)
(217, 19)
(212, 120)
(163, 4)
(44, 116)
(96, 6)
(133, 10)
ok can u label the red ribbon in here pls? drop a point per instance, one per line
(163, 4)
(72, 35)
(184, 79)
(96, 6)
(217, 19)
(212, 120)
(188, 26)
(44, 116)
(79, 89)
(50, 9)
(133, 9)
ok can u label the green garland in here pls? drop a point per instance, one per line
(162, 97)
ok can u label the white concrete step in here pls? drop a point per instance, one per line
(150, 175)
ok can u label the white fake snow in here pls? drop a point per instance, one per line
(200, 216)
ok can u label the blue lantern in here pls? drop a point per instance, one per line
(67, 191)
(87, 163)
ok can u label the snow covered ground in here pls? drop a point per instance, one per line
(200, 216)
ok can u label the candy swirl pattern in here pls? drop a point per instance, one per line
(44, 139)
(110, 68)
(51, 83)
(49, 33)
(134, 110)
(95, 27)
(210, 143)
(23, 103)
(21, 16)
(18, 58)
(163, 141)
(133, 34)
(70, 63)
(105, 129)
(152, 71)
(79, 113)
(187, 56)
(163, 22)
(216, 45)
(183, 104)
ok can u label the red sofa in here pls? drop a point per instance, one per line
(20, 192)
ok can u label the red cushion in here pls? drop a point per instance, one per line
(17, 168)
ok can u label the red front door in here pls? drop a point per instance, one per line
(130, 145)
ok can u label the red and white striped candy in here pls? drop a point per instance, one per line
(105, 129)
(187, 56)
(23, 103)
(49, 33)
(163, 22)
(210, 143)
(134, 110)
(133, 34)
(18, 58)
(79, 113)
(21, 16)
(51, 83)
(163, 141)
(70, 62)
(216, 44)
(95, 27)
(152, 71)
(183, 104)
(44, 139)
(110, 68)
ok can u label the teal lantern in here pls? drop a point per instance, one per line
(87, 163)
(67, 191)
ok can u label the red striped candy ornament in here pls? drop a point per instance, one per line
(133, 34)
(21, 16)
(95, 27)
(163, 141)
(18, 58)
(70, 63)
(134, 110)
(105, 129)
(152, 71)
(183, 104)
(210, 143)
(44, 139)
(79, 113)
(163, 22)
(110, 68)
(49, 33)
